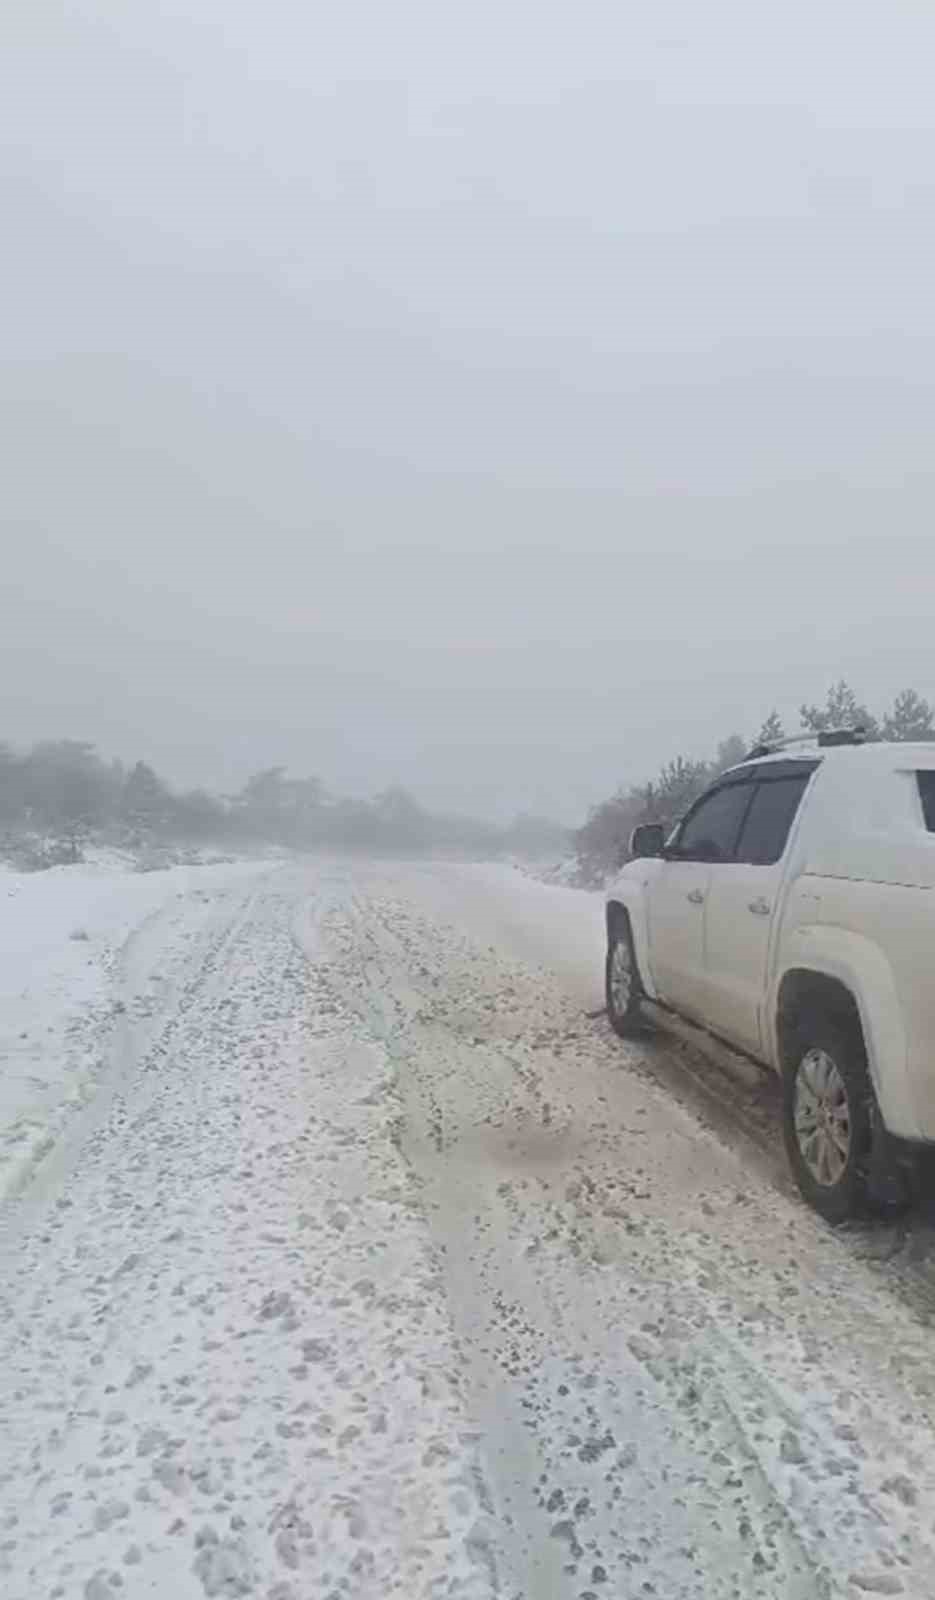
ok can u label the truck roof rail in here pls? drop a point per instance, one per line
(827, 739)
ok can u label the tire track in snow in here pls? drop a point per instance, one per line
(232, 1372)
(132, 1040)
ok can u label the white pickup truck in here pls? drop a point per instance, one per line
(792, 913)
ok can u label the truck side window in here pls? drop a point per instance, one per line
(766, 827)
(709, 833)
(926, 781)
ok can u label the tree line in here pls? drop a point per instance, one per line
(601, 844)
(60, 794)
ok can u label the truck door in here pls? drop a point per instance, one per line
(677, 895)
(742, 903)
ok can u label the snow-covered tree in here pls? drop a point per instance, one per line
(772, 731)
(841, 709)
(911, 717)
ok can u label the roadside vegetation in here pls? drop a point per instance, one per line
(61, 797)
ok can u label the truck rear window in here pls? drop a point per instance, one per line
(769, 819)
(926, 782)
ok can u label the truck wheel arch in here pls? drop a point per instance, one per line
(618, 911)
(804, 991)
(851, 981)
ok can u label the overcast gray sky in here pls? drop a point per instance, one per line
(491, 397)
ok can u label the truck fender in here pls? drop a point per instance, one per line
(863, 969)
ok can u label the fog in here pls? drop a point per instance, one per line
(492, 400)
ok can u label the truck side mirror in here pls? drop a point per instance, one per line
(648, 839)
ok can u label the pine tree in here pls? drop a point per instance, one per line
(730, 752)
(841, 709)
(772, 731)
(145, 796)
(910, 718)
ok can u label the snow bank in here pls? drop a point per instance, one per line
(61, 937)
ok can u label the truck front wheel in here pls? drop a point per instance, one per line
(828, 1117)
(622, 979)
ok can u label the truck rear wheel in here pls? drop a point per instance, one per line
(828, 1117)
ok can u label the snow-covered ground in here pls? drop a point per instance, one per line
(377, 1266)
(66, 969)
(226, 1354)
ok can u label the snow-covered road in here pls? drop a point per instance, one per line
(376, 1266)
(75, 943)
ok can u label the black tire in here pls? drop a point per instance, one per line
(624, 1014)
(828, 1117)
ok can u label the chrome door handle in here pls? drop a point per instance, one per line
(696, 897)
(759, 907)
